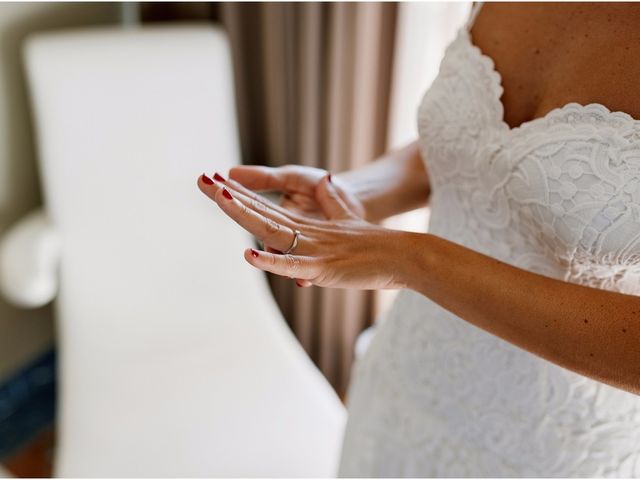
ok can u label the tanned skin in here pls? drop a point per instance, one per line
(549, 54)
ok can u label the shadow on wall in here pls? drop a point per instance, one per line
(27, 334)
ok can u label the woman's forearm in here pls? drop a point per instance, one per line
(395, 183)
(590, 331)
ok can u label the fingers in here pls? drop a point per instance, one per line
(271, 250)
(330, 201)
(269, 222)
(265, 208)
(266, 229)
(302, 268)
(205, 184)
(299, 282)
(287, 178)
(259, 178)
(249, 199)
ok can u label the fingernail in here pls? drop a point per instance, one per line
(218, 177)
(298, 284)
(254, 253)
(226, 194)
(207, 180)
(329, 177)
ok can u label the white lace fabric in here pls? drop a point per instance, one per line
(560, 196)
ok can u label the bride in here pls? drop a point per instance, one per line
(514, 347)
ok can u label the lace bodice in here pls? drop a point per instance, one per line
(560, 196)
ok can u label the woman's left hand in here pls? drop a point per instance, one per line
(344, 251)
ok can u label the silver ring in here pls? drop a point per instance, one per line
(294, 244)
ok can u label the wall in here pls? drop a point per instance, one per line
(424, 30)
(25, 334)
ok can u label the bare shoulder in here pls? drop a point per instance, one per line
(550, 54)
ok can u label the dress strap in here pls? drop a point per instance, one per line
(475, 9)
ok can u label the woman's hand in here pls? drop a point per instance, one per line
(298, 185)
(341, 250)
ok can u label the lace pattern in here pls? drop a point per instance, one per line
(558, 195)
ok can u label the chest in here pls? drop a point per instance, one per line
(551, 54)
(563, 185)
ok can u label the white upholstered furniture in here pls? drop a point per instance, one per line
(175, 360)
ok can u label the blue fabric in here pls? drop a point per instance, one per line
(27, 403)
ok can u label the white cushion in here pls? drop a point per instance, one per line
(175, 360)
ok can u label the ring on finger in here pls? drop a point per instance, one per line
(294, 243)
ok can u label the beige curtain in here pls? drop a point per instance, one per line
(312, 88)
(313, 82)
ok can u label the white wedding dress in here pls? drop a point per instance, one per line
(559, 195)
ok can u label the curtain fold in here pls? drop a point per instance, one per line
(313, 86)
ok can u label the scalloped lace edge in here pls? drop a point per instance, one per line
(581, 110)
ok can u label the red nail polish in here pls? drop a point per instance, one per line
(298, 284)
(207, 180)
(329, 177)
(218, 177)
(226, 194)
(254, 253)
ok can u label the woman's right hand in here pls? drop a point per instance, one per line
(298, 185)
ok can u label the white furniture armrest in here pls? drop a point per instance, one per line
(29, 255)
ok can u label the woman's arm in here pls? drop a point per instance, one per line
(395, 183)
(590, 331)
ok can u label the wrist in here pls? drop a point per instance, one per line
(349, 186)
(418, 260)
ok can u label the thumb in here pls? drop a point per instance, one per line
(330, 202)
(259, 178)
